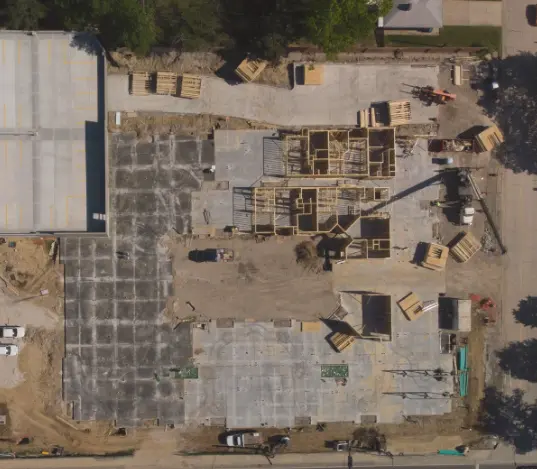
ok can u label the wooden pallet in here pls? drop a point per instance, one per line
(411, 306)
(190, 86)
(167, 83)
(249, 70)
(140, 83)
(341, 341)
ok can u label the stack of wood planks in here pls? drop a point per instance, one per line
(190, 86)
(399, 112)
(368, 118)
(140, 83)
(167, 83)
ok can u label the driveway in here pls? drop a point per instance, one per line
(468, 13)
(517, 36)
(346, 90)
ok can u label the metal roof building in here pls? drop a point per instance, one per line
(414, 14)
(52, 139)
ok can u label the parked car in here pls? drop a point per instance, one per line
(212, 255)
(9, 350)
(12, 332)
(244, 439)
(531, 15)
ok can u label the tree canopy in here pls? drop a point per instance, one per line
(335, 25)
(264, 28)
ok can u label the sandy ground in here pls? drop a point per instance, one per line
(264, 282)
(421, 435)
(147, 124)
(27, 269)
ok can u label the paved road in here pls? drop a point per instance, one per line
(517, 34)
(518, 220)
(32, 463)
(128, 463)
(519, 225)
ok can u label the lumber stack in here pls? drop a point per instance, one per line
(399, 112)
(190, 86)
(140, 83)
(166, 83)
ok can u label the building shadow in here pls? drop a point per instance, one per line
(95, 138)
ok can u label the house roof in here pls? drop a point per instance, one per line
(414, 14)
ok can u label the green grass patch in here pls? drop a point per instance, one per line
(185, 372)
(334, 371)
(487, 37)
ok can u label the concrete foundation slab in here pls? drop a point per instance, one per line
(346, 90)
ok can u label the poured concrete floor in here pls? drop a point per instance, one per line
(118, 346)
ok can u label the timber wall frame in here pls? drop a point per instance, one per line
(321, 210)
(364, 153)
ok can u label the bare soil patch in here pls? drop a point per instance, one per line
(263, 282)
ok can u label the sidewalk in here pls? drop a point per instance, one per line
(472, 13)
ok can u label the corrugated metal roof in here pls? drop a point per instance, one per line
(464, 310)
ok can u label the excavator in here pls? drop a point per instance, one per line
(430, 95)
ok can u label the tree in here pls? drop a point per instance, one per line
(126, 23)
(336, 25)
(264, 28)
(191, 25)
(24, 14)
(74, 15)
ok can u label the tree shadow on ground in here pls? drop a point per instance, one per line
(509, 417)
(527, 312)
(519, 358)
(514, 107)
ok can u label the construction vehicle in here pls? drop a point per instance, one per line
(467, 215)
(430, 95)
(244, 439)
(464, 246)
(212, 255)
(435, 257)
(466, 173)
